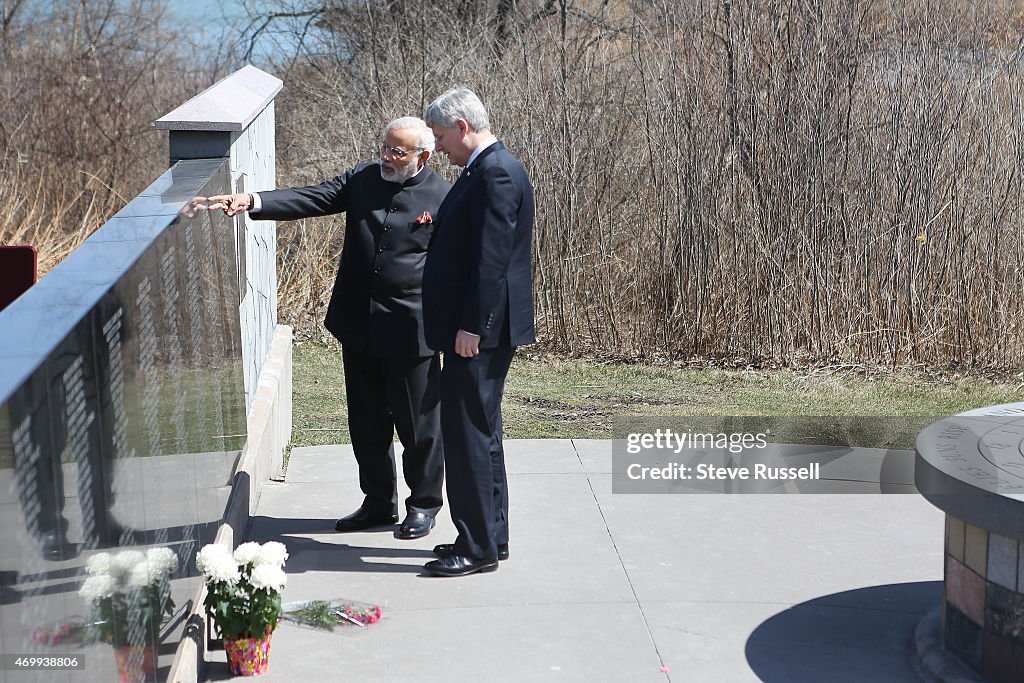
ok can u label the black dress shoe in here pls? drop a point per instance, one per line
(55, 547)
(448, 549)
(459, 565)
(363, 519)
(416, 525)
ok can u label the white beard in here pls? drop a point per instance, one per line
(401, 175)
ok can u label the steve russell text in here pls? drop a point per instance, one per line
(706, 472)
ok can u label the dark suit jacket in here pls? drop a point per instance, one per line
(376, 305)
(478, 276)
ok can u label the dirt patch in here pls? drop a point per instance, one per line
(560, 410)
(593, 406)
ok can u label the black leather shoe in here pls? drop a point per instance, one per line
(459, 565)
(416, 525)
(55, 547)
(443, 550)
(362, 519)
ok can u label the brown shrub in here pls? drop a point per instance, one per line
(764, 181)
(84, 83)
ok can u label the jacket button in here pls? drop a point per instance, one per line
(376, 270)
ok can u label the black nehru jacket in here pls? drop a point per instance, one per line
(376, 306)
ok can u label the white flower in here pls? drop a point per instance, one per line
(124, 562)
(247, 552)
(216, 564)
(271, 553)
(97, 587)
(164, 559)
(224, 569)
(141, 575)
(98, 564)
(208, 555)
(268, 576)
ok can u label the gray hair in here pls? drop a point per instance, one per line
(426, 137)
(457, 103)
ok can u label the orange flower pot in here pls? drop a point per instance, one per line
(135, 664)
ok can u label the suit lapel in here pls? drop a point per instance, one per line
(457, 189)
(484, 154)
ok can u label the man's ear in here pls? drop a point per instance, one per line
(424, 157)
(462, 125)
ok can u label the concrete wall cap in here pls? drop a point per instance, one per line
(230, 104)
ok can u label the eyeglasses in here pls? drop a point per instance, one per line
(397, 152)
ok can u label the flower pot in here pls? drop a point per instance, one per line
(135, 664)
(248, 656)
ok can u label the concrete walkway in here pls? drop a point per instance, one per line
(605, 587)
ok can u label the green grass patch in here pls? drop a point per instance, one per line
(554, 398)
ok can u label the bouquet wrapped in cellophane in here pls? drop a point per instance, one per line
(332, 615)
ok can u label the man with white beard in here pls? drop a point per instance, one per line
(392, 378)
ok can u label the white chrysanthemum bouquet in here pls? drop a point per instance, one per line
(244, 587)
(129, 592)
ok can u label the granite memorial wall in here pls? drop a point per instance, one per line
(122, 415)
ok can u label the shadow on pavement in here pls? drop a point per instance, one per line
(336, 554)
(854, 636)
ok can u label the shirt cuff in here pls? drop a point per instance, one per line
(257, 203)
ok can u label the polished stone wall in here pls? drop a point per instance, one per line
(254, 167)
(234, 118)
(122, 414)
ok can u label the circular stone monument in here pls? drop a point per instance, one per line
(971, 466)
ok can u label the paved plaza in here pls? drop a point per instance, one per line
(609, 587)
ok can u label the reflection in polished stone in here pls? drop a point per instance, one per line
(122, 413)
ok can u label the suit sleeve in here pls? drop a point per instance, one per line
(330, 196)
(496, 214)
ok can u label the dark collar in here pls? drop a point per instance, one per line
(415, 180)
(488, 150)
(418, 178)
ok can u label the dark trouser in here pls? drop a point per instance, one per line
(385, 395)
(471, 391)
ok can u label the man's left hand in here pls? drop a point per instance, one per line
(467, 344)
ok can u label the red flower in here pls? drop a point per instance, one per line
(424, 218)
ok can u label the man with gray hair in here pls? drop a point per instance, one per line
(477, 307)
(392, 378)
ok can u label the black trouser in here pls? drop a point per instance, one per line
(471, 391)
(385, 395)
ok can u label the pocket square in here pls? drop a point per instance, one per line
(424, 218)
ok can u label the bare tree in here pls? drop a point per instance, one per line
(782, 181)
(84, 82)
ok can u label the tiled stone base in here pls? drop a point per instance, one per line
(983, 607)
